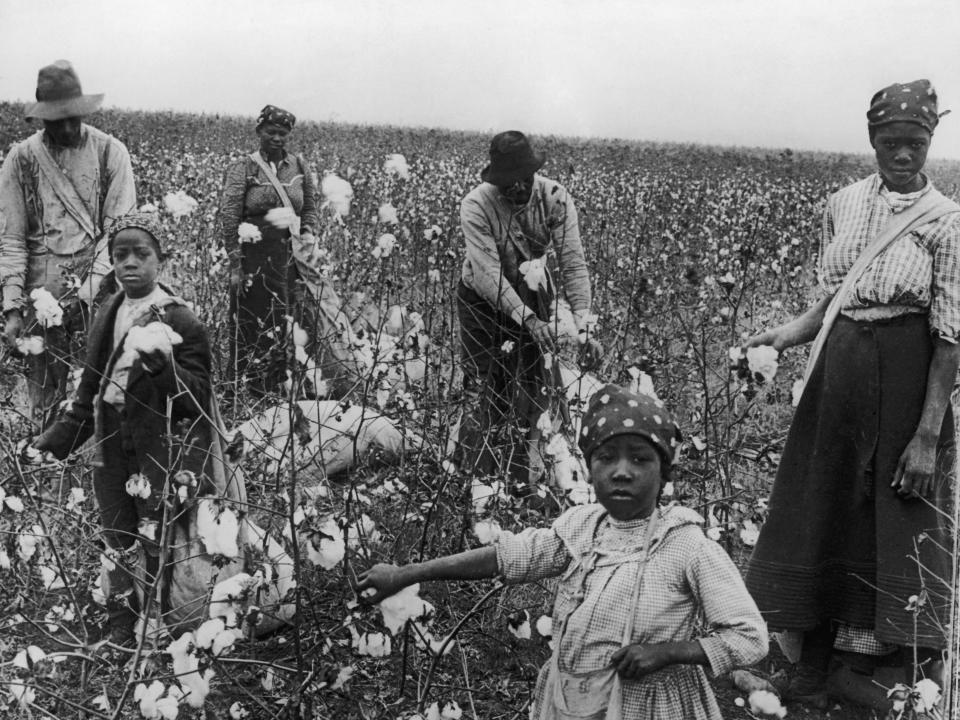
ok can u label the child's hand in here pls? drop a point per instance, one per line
(379, 582)
(154, 361)
(634, 661)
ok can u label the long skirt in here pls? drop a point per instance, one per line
(259, 308)
(839, 543)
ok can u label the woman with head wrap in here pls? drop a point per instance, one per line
(268, 204)
(856, 552)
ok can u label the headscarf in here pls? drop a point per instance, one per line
(914, 102)
(614, 410)
(149, 222)
(276, 116)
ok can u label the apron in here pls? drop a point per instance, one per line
(595, 695)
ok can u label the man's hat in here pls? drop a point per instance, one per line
(59, 95)
(511, 159)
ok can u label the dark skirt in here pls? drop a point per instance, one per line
(258, 310)
(839, 543)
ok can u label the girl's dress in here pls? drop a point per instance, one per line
(598, 559)
(839, 543)
(257, 310)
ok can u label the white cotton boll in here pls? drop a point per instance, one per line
(433, 712)
(30, 345)
(52, 580)
(558, 447)
(149, 208)
(507, 347)
(764, 701)
(545, 423)
(327, 551)
(564, 322)
(150, 338)
(208, 631)
(179, 204)
(387, 214)
(482, 494)
(487, 531)
(698, 443)
(402, 606)
(4, 560)
(218, 527)
(394, 320)
(148, 528)
(534, 273)
(927, 696)
(736, 354)
(223, 642)
(715, 533)
(519, 625)
(373, 644)
(23, 695)
(385, 245)
(27, 542)
(641, 383)
(282, 218)
(14, 503)
(249, 233)
(300, 336)
(75, 499)
(138, 485)
(545, 626)
(228, 596)
(48, 311)
(451, 711)
(749, 533)
(762, 362)
(30, 655)
(337, 193)
(396, 164)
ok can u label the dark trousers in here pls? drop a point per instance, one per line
(503, 389)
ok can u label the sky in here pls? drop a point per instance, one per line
(769, 73)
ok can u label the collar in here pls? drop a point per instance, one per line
(897, 202)
(285, 160)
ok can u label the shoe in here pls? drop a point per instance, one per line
(808, 686)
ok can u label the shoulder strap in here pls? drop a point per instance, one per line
(62, 187)
(927, 209)
(272, 177)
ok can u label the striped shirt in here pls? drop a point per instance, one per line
(687, 576)
(919, 272)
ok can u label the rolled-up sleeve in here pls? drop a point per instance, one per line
(736, 633)
(534, 554)
(13, 236)
(945, 287)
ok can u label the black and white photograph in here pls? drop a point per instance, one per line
(479, 360)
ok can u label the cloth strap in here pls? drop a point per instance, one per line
(932, 206)
(62, 187)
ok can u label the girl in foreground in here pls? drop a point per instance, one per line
(635, 580)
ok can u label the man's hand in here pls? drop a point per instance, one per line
(542, 333)
(13, 327)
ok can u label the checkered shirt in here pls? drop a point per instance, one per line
(688, 576)
(916, 273)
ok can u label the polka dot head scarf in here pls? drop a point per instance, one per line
(913, 102)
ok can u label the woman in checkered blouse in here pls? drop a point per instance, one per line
(634, 581)
(855, 553)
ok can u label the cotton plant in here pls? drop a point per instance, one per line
(384, 246)
(756, 363)
(186, 667)
(337, 194)
(403, 606)
(157, 701)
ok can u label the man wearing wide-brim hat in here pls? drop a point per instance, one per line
(59, 189)
(520, 229)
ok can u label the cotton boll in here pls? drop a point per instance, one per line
(762, 362)
(926, 695)
(385, 245)
(47, 310)
(451, 711)
(150, 338)
(373, 644)
(179, 204)
(337, 193)
(534, 273)
(328, 548)
(218, 527)
(208, 631)
(396, 164)
(282, 218)
(402, 606)
(749, 533)
(387, 214)
(487, 531)
(30, 345)
(138, 485)
(249, 233)
(641, 383)
(519, 625)
(764, 701)
(545, 626)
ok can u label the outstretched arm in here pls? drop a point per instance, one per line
(800, 330)
(385, 580)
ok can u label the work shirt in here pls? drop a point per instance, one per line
(38, 233)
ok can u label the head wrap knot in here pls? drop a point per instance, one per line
(913, 102)
(276, 116)
(614, 410)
